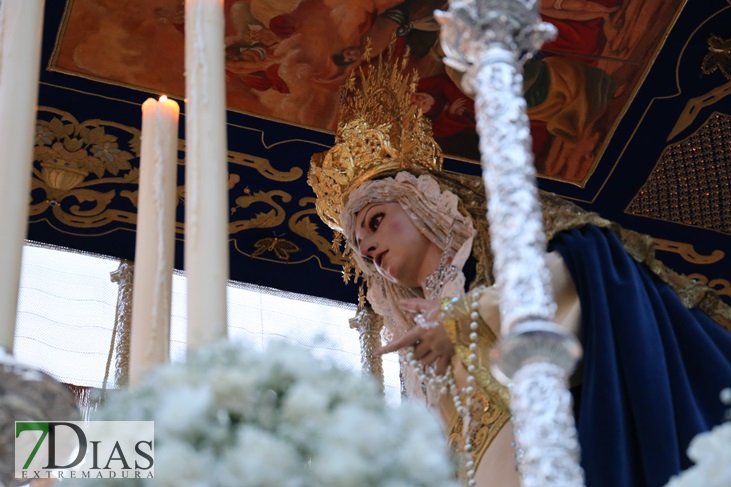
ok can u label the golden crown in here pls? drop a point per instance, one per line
(380, 131)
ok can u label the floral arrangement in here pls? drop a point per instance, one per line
(711, 452)
(232, 416)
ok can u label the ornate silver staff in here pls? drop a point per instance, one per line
(490, 40)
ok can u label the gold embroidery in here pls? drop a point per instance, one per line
(73, 157)
(561, 215)
(281, 247)
(450, 326)
(270, 219)
(721, 286)
(718, 57)
(696, 105)
(490, 402)
(487, 422)
(691, 183)
(264, 167)
(301, 224)
(84, 172)
(687, 252)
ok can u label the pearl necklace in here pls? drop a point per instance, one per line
(446, 383)
(443, 273)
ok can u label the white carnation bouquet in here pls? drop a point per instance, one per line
(711, 453)
(232, 416)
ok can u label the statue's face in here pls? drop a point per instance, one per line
(423, 100)
(352, 54)
(386, 236)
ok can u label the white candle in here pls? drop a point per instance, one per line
(21, 23)
(155, 240)
(206, 172)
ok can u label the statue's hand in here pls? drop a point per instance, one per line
(432, 345)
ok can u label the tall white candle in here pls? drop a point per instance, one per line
(206, 172)
(155, 241)
(21, 23)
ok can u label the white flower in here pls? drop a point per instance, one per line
(337, 465)
(712, 446)
(259, 458)
(305, 402)
(711, 451)
(234, 389)
(235, 417)
(692, 477)
(182, 409)
(179, 465)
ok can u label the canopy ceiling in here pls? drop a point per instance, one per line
(630, 113)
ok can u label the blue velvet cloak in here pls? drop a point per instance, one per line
(652, 369)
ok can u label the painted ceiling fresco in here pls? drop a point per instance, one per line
(629, 107)
(285, 60)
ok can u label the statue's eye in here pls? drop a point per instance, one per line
(375, 221)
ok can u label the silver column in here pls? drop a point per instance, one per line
(490, 40)
(124, 277)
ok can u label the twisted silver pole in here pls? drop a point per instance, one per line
(490, 40)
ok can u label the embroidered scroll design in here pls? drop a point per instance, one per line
(688, 253)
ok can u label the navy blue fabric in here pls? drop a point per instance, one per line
(652, 369)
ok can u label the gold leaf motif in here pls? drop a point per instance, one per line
(301, 224)
(85, 147)
(263, 166)
(264, 219)
(135, 145)
(57, 128)
(233, 180)
(132, 176)
(72, 145)
(718, 57)
(93, 136)
(68, 154)
(40, 152)
(270, 219)
(281, 247)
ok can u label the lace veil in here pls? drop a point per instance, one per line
(435, 211)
